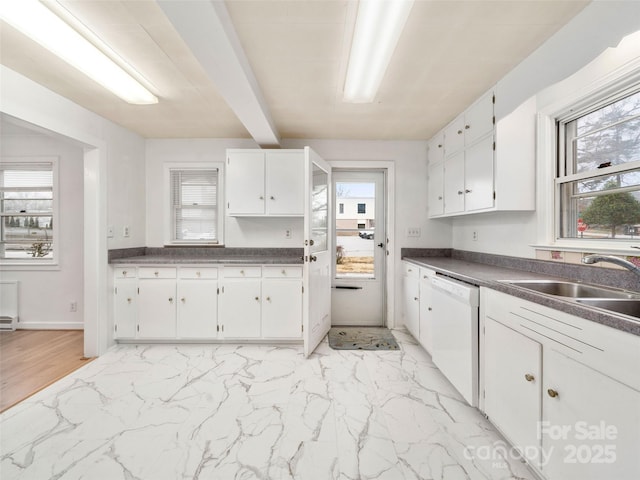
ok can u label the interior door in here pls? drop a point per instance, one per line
(358, 295)
(316, 319)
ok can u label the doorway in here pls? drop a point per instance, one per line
(358, 295)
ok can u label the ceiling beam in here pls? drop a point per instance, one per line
(206, 28)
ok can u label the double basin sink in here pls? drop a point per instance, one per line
(611, 299)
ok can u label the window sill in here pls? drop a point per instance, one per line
(588, 247)
(15, 266)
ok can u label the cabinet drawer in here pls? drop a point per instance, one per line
(197, 272)
(242, 272)
(426, 274)
(282, 272)
(125, 272)
(157, 272)
(410, 270)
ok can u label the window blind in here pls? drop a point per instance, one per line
(194, 201)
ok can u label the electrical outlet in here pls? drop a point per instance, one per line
(475, 236)
(413, 232)
(110, 231)
(287, 233)
(73, 307)
(125, 231)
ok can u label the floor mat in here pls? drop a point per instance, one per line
(362, 338)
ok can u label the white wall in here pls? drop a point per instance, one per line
(238, 232)
(576, 57)
(46, 295)
(113, 173)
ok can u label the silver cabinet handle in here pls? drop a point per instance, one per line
(268, 299)
(261, 197)
(552, 393)
(128, 300)
(156, 273)
(257, 299)
(468, 190)
(183, 300)
(124, 273)
(459, 132)
(284, 272)
(467, 127)
(272, 197)
(529, 378)
(460, 192)
(170, 299)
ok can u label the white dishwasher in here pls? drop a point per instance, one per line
(455, 334)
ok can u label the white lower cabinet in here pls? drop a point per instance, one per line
(240, 308)
(411, 299)
(513, 382)
(125, 308)
(426, 310)
(208, 303)
(564, 391)
(281, 308)
(157, 302)
(197, 294)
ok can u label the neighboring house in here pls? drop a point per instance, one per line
(355, 213)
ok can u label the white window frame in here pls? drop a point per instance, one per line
(168, 208)
(53, 261)
(548, 197)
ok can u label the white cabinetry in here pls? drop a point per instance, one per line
(513, 377)
(157, 302)
(282, 302)
(488, 166)
(562, 386)
(435, 149)
(426, 309)
(260, 182)
(435, 188)
(125, 307)
(240, 302)
(197, 315)
(411, 298)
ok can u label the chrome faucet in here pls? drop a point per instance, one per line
(591, 259)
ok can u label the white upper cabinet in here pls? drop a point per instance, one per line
(265, 183)
(487, 166)
(435, 188)
(435, 149)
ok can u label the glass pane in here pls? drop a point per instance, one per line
(355, 225)
(319, 210)
(196, 224)
(609, 136)
(27, 237)
(603, 207)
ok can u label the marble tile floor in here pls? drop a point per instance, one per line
(175, 412)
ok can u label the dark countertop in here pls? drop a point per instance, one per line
(205, 260)
(494, 277)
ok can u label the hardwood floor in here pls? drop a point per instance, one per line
(30, 360)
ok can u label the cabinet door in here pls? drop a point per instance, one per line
(284, 183)
(281, 308)
(436, 189)
(454, 137)
(478, 175)
(125, 308)
(591, 426)
(454, 184)
(478, 119)
(239, 313)
(412, 305)
(157, 308)
(426, 310)
(197, 309)
(435, 149)
(245, 178)
(512, 386)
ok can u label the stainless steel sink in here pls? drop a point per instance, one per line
(573, 289)
(619, 305)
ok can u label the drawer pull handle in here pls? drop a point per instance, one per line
(552, 393)
(460, 192)
(129, 300)
(429, 308)
(124, 273)
(261, 197)
(416, 298)
(468, 190)
(529, 378)
(155, 273)
(241, 272)
(272, 197)
(284, 272)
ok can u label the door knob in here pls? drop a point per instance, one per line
(313, 258)
(381, 245)
(552, 393)
(529, 378)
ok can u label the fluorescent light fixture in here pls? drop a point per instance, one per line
(379, 24)
(40, 24)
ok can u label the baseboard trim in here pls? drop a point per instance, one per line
(49, 326)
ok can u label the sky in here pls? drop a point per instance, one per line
(355, 190)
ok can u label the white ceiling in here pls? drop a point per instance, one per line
(449, 54)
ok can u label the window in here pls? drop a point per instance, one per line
(194, 206)
(28, 209)
(341, 208)
(362, 208)
(598, 181)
